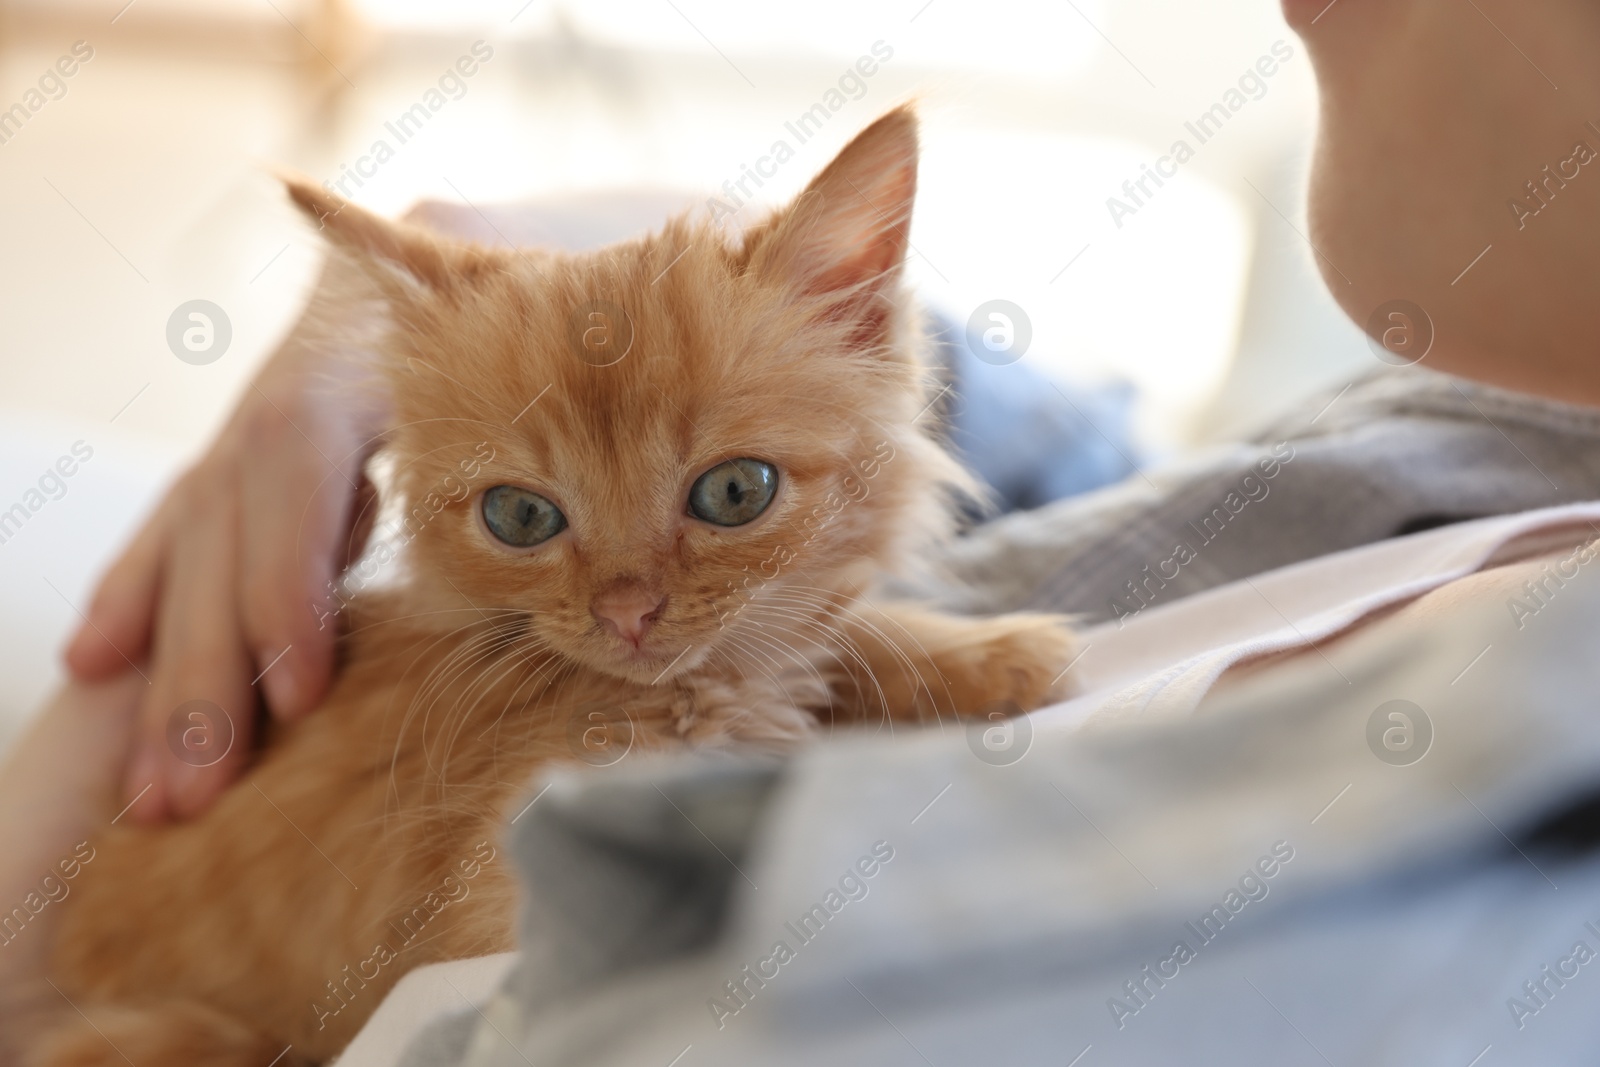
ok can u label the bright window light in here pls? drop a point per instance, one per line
(1011, 37)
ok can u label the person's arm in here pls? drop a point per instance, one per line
(58, 788)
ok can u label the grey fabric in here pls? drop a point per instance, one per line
(1402, 450)
(623, 870)
(619, 870)
(1021, 904)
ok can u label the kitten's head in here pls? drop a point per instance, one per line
(634, 449)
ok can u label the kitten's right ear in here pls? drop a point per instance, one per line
(397, 246)
(848, 230)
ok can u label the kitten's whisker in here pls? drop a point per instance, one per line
(484, 659)
(516, 660)
(755, 656)
(439, 671)
(392, 619)
(803, 658)
(467, 701)
(908, 664)
(808, 669)
(438, 683)
(843, 643)
(539, 668)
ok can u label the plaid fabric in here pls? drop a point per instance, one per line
(1401, 450)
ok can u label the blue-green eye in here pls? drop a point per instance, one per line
(520, 517)
(734, 493)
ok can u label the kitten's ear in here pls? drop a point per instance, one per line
(849, 228)
(412, 251)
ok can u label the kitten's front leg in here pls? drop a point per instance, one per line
(906, 662)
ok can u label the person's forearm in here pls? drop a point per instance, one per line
(57, 789)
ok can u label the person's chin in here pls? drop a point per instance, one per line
(1300, 14)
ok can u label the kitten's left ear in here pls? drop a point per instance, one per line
(391, 246)
(848, 230)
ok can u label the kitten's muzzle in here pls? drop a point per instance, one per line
(628, 612)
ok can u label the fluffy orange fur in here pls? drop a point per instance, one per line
(375, 823)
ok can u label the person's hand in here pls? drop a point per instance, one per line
(224, 594)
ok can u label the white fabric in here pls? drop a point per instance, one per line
(421, 996)
(1165, 660)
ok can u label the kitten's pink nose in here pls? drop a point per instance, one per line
(628, 612)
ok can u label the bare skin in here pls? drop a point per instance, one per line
(1434, 114)
(57, 788)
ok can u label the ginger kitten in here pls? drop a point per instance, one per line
(649, 487)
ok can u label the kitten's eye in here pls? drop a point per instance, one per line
(520, 517)
(733, 493)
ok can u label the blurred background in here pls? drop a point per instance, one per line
(143, 181)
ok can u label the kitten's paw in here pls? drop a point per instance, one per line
(1022, 659)
(907, 662)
